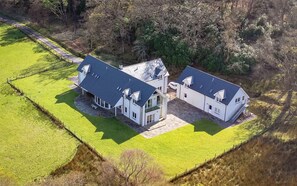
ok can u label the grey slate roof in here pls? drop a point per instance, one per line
(208, 84)
(108, 82)
(147, 71)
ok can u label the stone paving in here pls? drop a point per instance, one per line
(179, 114)
(83, 103)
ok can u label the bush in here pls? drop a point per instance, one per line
(252, 33)
(276, 33)
(167, 46)
(214, 62)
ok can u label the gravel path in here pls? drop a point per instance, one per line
(39, 38)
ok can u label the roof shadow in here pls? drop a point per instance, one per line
(201, 120)
(111, 127)
(207, 126)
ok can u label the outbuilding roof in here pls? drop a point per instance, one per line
(109, 83)
(147, 71)
(209, 85)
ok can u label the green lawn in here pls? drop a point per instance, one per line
(175, 151)
(31, 146)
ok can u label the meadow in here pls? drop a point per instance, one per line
(31, 146)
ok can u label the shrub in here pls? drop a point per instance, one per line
(165, 45)
(276, 33)
(252, 33)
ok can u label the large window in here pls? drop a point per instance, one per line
(102, 103)
(134, 115)
(148, 104)
(158, 100)
(106, 105)
(150, 119)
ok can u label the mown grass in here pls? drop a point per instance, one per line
(31, 146)
(175, 151)
(269, 159)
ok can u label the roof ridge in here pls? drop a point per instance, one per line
(120, 71)
(213, 76)
(144, 62)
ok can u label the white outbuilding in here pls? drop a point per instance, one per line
(211, 94)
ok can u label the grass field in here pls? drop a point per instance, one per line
(175, 151)
(31, 146)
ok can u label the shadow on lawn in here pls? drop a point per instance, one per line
(207, 126)
(11, 36)
(111, 127)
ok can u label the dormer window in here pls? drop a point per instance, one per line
(86, 69)
(220, 95)
(188, 81)
(127, 92)
(136, 96)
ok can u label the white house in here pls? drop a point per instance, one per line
(211, 94)
(152, 72)
(116, 90)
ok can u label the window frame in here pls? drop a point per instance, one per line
(133, 113)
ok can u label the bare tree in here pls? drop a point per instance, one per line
(57, 7)
(110, 175)
(139, 168)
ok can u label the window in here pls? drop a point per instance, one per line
(158, 100)
(210, 107)
(102, 103)
(126, 110)
(185, 95)
(150, 119)
(160, 77)
(133, 101)
(148, 104)
(134, 115)
(242, 97)
(217, 110)
(237, 100)
(218, 99)
(159, 88)
(106, 105)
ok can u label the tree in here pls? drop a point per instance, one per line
(58, 8)
(138, 168)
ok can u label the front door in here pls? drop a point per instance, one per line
(210, 108)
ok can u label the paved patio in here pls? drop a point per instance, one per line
(179, 114)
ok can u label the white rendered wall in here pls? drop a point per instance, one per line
(215, 104)
(159, 83)
(233, 107)
(156, 114)
(194, 98)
